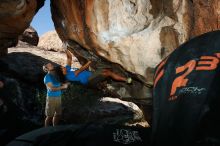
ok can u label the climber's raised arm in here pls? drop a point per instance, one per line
(84, 67)
(68, 57)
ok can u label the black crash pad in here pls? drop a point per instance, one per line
(85, 135)
(186, 102)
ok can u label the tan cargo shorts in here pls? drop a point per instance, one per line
(53, 106)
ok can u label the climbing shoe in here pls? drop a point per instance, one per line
(129, 80)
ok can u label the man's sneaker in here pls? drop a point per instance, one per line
(129, 80)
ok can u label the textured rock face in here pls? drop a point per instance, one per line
(29, 36)
(134, 34)
(84, 105)
(50, 41)
(81, 104)
(26, 63)
(15, 105)
(207, 16)
(16, 16)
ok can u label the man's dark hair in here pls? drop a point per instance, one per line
(59, 74)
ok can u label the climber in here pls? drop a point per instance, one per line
(86, 77)
(54, 86)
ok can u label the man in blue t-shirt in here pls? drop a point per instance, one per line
(53, 108)
(84, 76)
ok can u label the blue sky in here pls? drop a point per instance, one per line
(42, 21)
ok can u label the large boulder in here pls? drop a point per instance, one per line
(16, 16)
(29, 37)
(131, 36)
(186, 94)
(51, 41)
(17, 111)
(26, 63)
(134, 34)
(85, 105)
